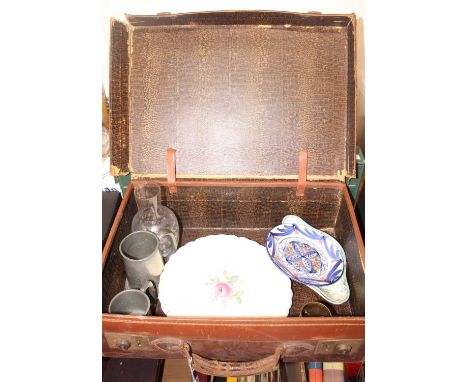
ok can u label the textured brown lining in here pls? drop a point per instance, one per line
(238, 93)
(118, 91)
(252, 212)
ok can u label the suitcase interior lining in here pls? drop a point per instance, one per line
(251, 212)
(220, 86)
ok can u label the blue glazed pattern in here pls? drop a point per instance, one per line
(305, 254)
(303, 257)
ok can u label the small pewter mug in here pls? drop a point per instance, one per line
(131, 301)
(142, 259)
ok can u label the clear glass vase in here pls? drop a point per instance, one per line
(153, 216)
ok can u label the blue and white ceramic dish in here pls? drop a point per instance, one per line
(309, 256)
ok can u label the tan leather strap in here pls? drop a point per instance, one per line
(171, 169)
(301, 183)
(232, 369)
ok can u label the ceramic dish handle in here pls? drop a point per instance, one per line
(293, 219)
(232, 369)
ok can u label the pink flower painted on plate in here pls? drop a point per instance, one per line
(226, 288)
(223, 289)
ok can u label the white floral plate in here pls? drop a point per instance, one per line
(223, 275)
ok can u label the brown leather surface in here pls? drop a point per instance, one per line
(118, 98)
(351, 115)
(251, 212)
(229, 339)
(240, 18)
(306, 349)
(355, 271)
(198, 329)
(241, 93)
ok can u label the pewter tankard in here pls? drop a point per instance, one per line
(142, 259)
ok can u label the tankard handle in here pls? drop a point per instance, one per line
(147, 285)
(165, 232)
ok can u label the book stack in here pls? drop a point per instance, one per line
(315, 371)
(265, 377)
(294, 372)
(178, 371)
(333, 372)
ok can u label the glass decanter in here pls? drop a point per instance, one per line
(153, 216)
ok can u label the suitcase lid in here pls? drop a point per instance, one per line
(237, 94)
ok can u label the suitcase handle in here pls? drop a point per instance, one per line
(232, 369)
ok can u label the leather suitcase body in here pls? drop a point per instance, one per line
(243, 118)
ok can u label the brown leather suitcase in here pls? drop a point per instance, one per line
(258, 109)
